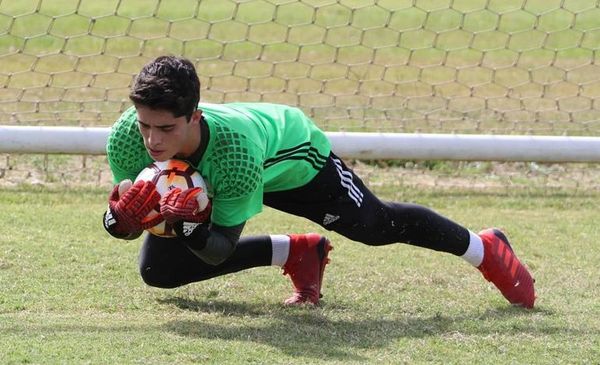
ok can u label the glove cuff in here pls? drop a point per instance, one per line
(194, 235)
(109, 221)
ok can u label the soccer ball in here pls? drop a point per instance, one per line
(168, 175)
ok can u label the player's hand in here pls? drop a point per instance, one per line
(191, 205)
(128, 206)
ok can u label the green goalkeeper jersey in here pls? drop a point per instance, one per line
(252, 148)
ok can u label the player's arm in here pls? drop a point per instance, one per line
(217, 243)
(188, 211)
(128, 206)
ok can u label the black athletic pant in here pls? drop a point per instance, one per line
(336, 199)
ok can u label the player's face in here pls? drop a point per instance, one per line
(166, 136)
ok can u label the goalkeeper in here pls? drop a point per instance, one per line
(255, 154)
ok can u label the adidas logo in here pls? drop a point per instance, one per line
(109, 220)
(188, 228)
(330, 218)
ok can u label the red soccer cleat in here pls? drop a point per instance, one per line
(306, 265)
(502, 267)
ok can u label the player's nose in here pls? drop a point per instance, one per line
(154, 139)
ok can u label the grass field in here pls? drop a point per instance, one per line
(71, 294)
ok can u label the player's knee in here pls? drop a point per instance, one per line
(391, 222)
(370, 236)
(157, 278)
(373, 227)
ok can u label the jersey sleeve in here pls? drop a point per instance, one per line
(237, 171)
(120, 174)
(125, 149)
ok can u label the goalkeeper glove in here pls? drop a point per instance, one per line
(191, 205)
(188, 211)
(128, 208)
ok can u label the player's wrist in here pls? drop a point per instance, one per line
(193, 234)
(111, 225)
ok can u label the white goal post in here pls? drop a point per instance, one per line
(405, 146)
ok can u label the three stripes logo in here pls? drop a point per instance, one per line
(346, 180)
(109, 220)
(302, 151)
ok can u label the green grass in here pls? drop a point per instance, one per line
(71, 294)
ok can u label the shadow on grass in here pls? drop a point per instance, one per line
(310, 332)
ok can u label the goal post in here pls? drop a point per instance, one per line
(374, 146)
(458, 67)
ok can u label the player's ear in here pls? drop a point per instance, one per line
(196, 116)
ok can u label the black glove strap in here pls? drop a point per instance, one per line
(109, 221)
(194, 235)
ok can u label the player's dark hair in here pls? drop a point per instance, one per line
(168, 83)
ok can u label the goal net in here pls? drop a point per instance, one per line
(440, 66)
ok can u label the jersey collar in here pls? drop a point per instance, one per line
(204, 138)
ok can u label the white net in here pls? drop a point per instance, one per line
(509, 66)
(443, 66)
